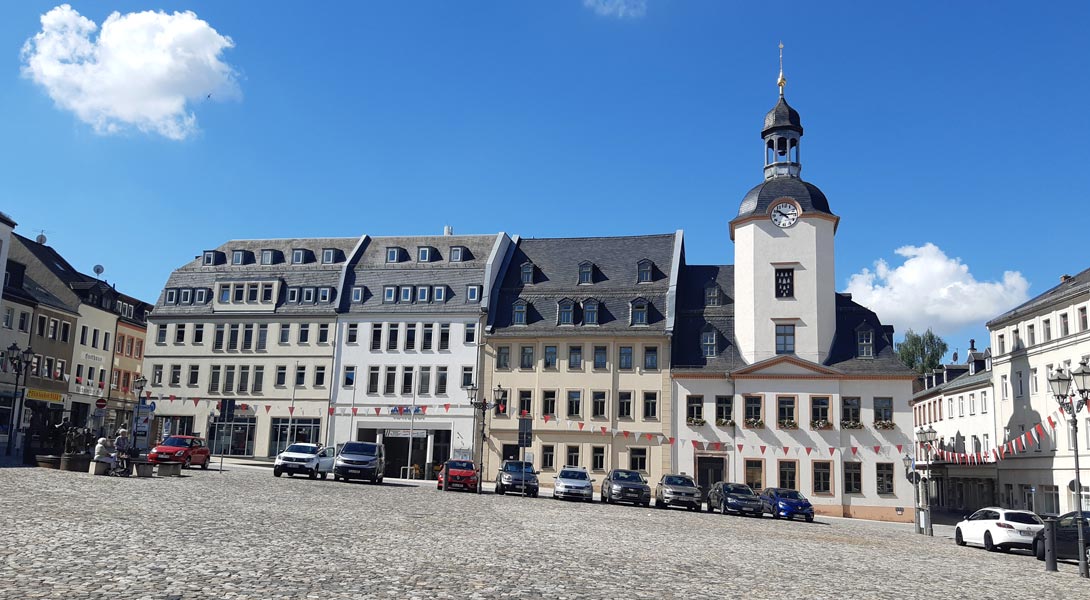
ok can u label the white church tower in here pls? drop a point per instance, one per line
(784, 283)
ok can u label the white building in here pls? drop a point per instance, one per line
(408, 343)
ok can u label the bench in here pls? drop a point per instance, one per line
(144, 468)
(98, 468)
(170, 469)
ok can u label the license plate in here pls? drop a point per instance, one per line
(353, 471)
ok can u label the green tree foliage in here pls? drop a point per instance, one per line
(921, 352)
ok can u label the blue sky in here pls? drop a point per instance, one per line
(954, 129)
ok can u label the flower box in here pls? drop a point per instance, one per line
(884, 425)
(788, 424)
(725, 422)
(695, 422)
(755, 423)
(821, 424)
(851, 425)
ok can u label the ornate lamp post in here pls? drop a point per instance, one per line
(1060, 383)
(927, 435)
(139, 384)
(912, 475)
(20, 361)
(481, 406)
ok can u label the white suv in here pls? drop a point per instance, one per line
(310, 459)
(574, 483)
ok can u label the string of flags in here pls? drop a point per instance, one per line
(1019, 444)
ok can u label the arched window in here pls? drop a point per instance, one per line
(639, 311)
(643, 271)
(518, 315)
(586, 273)
(590, 312)
(566, 313)
(527, 273)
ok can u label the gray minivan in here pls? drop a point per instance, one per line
(360, 460)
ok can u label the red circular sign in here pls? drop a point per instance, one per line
(101, 403)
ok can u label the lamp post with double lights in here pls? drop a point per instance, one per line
(20, 361)
(914, 476)
(481, 407)
(927, 435)
(138, 384)
(1071, 402)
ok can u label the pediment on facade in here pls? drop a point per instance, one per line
(782, 366)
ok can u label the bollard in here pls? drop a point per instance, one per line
(1050, 544)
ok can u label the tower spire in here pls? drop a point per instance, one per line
(782, 81)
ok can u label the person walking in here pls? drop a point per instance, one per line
(121, 445)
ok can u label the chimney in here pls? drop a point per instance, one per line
(1064, 277)
(972, 345)
(448, 230)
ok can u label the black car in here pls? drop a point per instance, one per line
(737, 498)
(1067, 537)
(517, 476)
(624, 485)
(678, 490)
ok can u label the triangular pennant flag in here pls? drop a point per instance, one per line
(172, 397)
(1040, 430)
(1051, 422)
(831, 450)
(503, 408)
(291, 410)
(785, 450)
(625, 434)
(762, 449)
(899, 446)
(672, 440)
(877, 449)
(715, 445)
(148, 395)
(740, 446)
(331, 409)
(446, 407)
(696, 444)
(581, 425)
(355, 410)
(196, 401)
(268, 407)
(855, 449)
(603, 431)
(546, 417)
(649, 437)
(244, 406)
(808, 449)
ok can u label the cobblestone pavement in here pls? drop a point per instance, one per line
(244, 534)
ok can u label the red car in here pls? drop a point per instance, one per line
(463, 475)
(185, 449)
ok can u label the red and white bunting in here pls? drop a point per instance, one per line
(740, 446)
(291, 410)
(268, 407)
(808, 450)
(331, 409)
(446, 407)
(196, 401)
(762, 449)
(581, 425)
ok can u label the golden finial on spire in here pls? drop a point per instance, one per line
(782, 81)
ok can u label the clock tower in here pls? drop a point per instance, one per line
(784, 283)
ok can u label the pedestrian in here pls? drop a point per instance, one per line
(104, 452)
(121, 444)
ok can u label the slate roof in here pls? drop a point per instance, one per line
(1074, 286)
(314, 274)
(967, 381)
(760, 198)
(374, 273)
(693, 319)
(850, 317)
(37, 294)
(6, 220)
(556, 277)
(782, 116)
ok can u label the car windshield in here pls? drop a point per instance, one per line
(302, 449)
(1024, 518)
(176, 442)
(627, 476)
(677, 480)
(790, 495)
(581, 475)
(741, 490)
(460, 464)
(360, 448)
(516, 467)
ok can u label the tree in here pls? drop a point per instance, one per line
(921, 353)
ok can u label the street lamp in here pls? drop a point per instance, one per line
(927, 435)
(914, 477)
(1060, 382)
(20, 361)
(139, 384)
(481, 406)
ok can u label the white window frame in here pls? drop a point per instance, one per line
(266, 257)
(199, 297)
(357, 294)
(407, 294)
(455, 254)
(186, 296)
(389, 294)
(423, 254)
(473, 293)
(393, 255)
(439, 293)
(172, 297)
(423, 293)
(328, 256)
(308, 295)
(644, 266)
(323, 294)
(293, 294)
(238, 257)
(209, 258)
(297, 257)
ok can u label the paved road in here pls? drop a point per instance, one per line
(244, 534)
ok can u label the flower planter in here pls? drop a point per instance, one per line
(755, 423)
(47, 461)
(851, 425)
(885, 425)
(695, 422)
(75, 462)
(788, 425)
(724, 422)
(822, 424)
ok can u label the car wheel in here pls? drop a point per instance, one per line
(534, 495)
(809, 518)
(323, 475)
(291, 474)
(276, 472)
(438, 487)
(958, 539)
(336, 477)
(204, 465)
(775, 514)
(188, 463)
(988, 545)
(647, 504)
(345, 478)
(499, 489)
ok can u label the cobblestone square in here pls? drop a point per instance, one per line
(244, 534)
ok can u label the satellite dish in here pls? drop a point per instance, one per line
(98, 270)
(40, 238)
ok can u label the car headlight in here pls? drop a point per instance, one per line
(505, 478)
(616, 488)
(179, 453)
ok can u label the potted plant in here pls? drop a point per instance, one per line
(788, 424)
(851, 425)
(695, 422)
(884, 424)
(725, 422)
(755, 423)
(821, 424)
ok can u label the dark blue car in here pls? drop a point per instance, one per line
(782, 502)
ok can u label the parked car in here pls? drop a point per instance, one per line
(737, 498)
(1067, 537)
(624, 485)
(784, 502)
(998, 529)
(186, 449)
(574, 483)
(463, 475)
(310, 459)
(678, 490)
(517, 476)
(360, 460)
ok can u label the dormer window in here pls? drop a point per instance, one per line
(209, 258)
(200, 297)
(518, 316)
(238, 257)
(456, 254)
(407, 294)
(308, 295)
(393, 255)
(267, 257)
(473, 293)
(643, 271)
(225, 294)
(185, 296)
(711, 295)
(239, 294)
(709, 342)
(172, 297)
(293, 295)
(422, 293)
(439, 294)
(389, 294)
(527, 273)
(329, 256)
(566, 315)
(865, 343)
(590, 312)
(586, 273)
(323, 294)
(357, 294)
(298, 257)
(639, 312)
(423, 254)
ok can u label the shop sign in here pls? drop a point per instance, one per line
(404, 433)
(44, 396)
(93, 357)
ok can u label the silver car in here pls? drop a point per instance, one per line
(574, 483)
(678, 490)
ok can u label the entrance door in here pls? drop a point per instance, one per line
(709, 470)
(510, 452)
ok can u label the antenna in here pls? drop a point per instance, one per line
(98, 270)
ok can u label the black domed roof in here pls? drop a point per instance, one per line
(809, 197)
(782, 116)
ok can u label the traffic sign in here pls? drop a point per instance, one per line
(152, 405)
(100, 403)
(526, 432)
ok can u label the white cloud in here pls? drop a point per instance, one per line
(143, 70)
(622, 9)
(933, 290)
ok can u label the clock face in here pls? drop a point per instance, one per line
(785, 214)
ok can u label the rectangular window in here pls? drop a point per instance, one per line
(251, 293)
(172, 296)
(651, 358)
(526, 402)
(471, 333)
(423, 387)
(439, 293)
(407, 380)
(785, 339)
(248, 336)
(357, 294)
(225, 294)
(883, 409)
(755, 474)
(319, 376)
(503, 357)
(467, 377)
(198, 338)
(694, 408)
(883, 473)
(455, 254)
(473, 293)
(199, 297)
(285, 333)
(575, 403)
(266, 292)
(637, 459)
(853, 478)
(328, 255)
(850, 410)
(625, 358)
(550, 357)
(423, 293)
(228, 380)
(66, 330)
(392, 335)
(372, 380)
(598, 404)
(297, 257)
(179, 333)
(548, 403)
(598, 458)
(323, 333)
(160, 335)
(243, 379)
(410, 336)
(789, 474)
(426, 341)
(389, 294)
(281, 376)
(391, 381)
(407, 294)
(239, 293)
(785, 410)
(624, 405)
(304, 333)
(441, 380)
(194, 375)
(785, 283)
(590, 313)
(376, 336)
(526, 357)
(724, 408)
(83, 332)
(259, 379)
(53, 325)
(865, 344)
(823, 477)
(575, 358)
(214, 380)
(548, 457)
(444, 336)
(984, 401)
(650, 405)
(1002, 386)
(308, 295)
(262, 336)
(572, 456)
(323, 294)
(392, 255)
(600, 357)
(1082, 319)
(754, 408)
(232, 337)
(1031, 336)
(300, 375)
(1064, 329)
